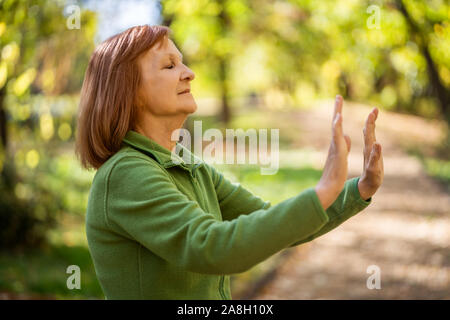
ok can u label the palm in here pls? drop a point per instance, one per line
(373, 167)
(339, 147)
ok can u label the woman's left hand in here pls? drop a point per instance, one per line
(373, 173)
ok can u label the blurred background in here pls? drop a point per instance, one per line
(258, 64)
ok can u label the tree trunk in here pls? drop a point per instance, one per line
(225, 115)
(3, 131)
(438, 89)
(224, 21)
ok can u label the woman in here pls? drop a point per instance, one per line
(164, 229)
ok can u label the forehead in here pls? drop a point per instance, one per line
(163, 49)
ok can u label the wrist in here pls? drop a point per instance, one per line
(326, 196)
(363, 192)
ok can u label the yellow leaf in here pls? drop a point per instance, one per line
(24, 81)
(3, 73)
(46, 124)
(48, 80)
(2, 28)
(32, 158)
(10, 52)
(64, 131)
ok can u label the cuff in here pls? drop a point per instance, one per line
(317, 205)
(356, 195)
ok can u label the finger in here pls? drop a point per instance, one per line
(337, 106)
(369, 132)
(337, 119)
(375, 111)
(348, 141)
(369, 128)
(337, 128)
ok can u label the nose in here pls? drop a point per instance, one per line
(188, 74)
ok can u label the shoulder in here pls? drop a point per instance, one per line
(128, 164)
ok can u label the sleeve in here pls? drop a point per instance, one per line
(347, 204)
(142, 203)
(235, 200)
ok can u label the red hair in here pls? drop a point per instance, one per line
(107, 106)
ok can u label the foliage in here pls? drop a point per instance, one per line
(294, 51)
(34, 62)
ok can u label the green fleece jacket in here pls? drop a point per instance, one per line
(159, 228)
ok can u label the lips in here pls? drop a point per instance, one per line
(185, 91)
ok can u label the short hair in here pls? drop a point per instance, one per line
(107, 107)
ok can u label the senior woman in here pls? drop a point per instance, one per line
(164, 229)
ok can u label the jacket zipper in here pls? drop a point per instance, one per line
(222, 278)
(221, 287)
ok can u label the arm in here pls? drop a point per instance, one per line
(235, 200)
(143, 204)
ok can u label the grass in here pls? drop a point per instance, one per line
(437, 167)
(42, 273)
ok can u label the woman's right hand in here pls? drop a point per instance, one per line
(334, 173)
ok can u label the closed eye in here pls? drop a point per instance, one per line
(171, 65)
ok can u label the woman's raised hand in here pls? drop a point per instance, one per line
(336, 166)
(373, 168)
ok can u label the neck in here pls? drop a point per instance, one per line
(160, 129)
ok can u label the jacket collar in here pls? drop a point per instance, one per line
(163, 156)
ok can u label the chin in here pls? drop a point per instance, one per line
(190, 108)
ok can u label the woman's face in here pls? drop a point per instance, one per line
(163, 77)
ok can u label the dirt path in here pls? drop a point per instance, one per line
(405, 231)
